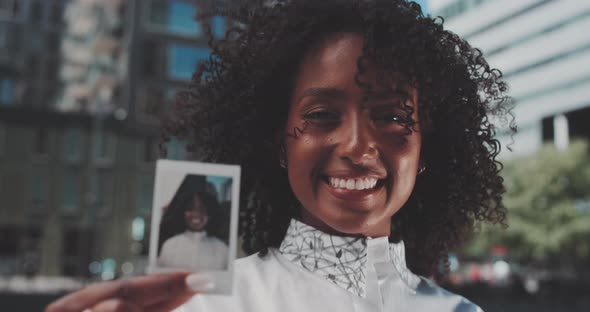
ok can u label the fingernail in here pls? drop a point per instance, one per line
(200, 282)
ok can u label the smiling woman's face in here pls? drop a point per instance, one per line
(353, 166)
(196, 217)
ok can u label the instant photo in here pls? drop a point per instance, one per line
(194, 220)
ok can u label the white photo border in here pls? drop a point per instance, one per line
(223, 279)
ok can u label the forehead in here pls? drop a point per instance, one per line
(333, 59)
(197, 203)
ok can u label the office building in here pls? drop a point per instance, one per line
(81, 84)
(543, 49)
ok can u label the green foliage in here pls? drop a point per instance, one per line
(548, 201)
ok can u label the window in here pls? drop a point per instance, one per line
(36, 12)
(4, 35)
(10, 8)
(72, 145)
(145, 189)
(104, 194)
(153, 59)
(56, 11)
(41, 142)
(547, 126)
(2, 139)
(52, 45)
(578, 121)
(176, 149)
(183, 60)
(32, 66)
(154, 101)
(77, 249)
(106, 146)
(181, 18)
(148, 150)
(174, 16)
(19, 250)
(11, 36)
(39, 189)
(71, 192)
(218, 26)
(6, 91)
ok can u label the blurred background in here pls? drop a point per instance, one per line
(81, 83)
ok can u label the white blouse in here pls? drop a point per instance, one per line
(194, 251)
(314, 271)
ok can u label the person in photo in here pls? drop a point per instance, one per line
(194, 247)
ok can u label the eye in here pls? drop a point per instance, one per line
(389, 118)
(321, 115)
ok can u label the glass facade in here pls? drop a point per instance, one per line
(40, 189)
(176, 149)
(183, 60)
(144, 193)
(174, 16)
(72, 145)
(71, 192)
(104, 193)
(218, 26)
(179, 17)
(6, 91)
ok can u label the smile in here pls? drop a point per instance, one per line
(355, 189)
(353, 184)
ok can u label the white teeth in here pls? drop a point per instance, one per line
(350, 184)
(353, 184)
(360, 184)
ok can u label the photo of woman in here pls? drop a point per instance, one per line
(191, 235)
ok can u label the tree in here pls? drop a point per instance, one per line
(548, 202)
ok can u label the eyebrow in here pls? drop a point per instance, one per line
(388, 94)
(334, 93)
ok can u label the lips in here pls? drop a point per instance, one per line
(197, 220)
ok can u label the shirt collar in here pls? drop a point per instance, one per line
(343, 260)
(195, 235)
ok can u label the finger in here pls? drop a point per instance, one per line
(115, 305)
(169, 305)
(145, 290)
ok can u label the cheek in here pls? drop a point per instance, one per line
(305, 156)
(403, 161)
(302, 154)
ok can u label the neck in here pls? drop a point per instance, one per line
(377, 230)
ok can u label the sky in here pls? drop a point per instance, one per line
(424, 5)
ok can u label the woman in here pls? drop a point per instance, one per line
(186, 240)
(367, 154)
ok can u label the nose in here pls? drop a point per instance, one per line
(357, 143)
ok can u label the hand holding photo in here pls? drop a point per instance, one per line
(194, 220)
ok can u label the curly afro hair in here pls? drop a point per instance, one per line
(236, 106)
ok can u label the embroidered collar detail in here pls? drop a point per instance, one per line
(342, 260)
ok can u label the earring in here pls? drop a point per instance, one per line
(282, 157)
(421, 169)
